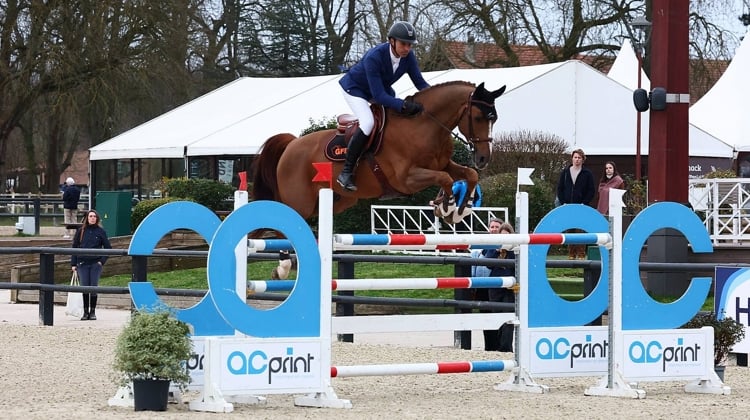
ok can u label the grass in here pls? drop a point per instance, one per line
(564, 281)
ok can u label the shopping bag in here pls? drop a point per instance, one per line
(74, 306)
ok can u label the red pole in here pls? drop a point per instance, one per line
(638, 124)
(668, 143)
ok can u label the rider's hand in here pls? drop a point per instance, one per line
(411, 108)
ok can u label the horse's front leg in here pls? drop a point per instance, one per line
(471, 176)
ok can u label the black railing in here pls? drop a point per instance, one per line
(38, 207)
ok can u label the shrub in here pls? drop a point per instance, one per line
(207, 192)
(321, 124)
(153, 346)
(500, 191)
(546, 153)
(357, 218)
(721, 173)
(727, 333)
(143, 208)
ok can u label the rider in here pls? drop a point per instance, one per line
(370, 80)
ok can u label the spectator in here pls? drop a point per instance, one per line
(576, 186)
(71, 196)
(89, 267)
(610, 179)
(500, 339)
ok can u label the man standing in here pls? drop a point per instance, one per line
(71, 196)
(576, 186)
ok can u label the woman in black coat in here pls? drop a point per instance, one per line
(89, 267)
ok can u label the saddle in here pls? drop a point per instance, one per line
(335, 148)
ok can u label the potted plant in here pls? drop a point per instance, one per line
(727, 333)
(151, 352)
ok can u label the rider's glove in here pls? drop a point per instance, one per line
(411, 108)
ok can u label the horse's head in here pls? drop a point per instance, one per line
(476, 123)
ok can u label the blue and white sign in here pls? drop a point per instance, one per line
(732, 299)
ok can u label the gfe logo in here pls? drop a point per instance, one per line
(258, 362)
(655, 352)
(561, 348)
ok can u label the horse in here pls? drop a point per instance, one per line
(414, 153)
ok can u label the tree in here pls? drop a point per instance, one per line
(59, 60)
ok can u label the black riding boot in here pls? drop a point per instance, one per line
(85, 307)
(92, 314)
(353, 152)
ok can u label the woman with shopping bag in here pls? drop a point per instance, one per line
(89, 267)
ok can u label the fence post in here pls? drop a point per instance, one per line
(139, 268)
(46, 297)
(462, 339)
(345, 271)
(37, 216)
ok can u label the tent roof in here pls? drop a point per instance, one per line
(169, 135)
(571, 100)
(723, 111)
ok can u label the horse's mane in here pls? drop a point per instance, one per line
(442, 85)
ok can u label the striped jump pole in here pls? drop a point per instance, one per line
(260, 286)
(259, 245)
(366, 241)
(345, 241)
(272, 245)
(422, 368)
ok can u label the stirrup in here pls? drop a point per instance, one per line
(349, 186)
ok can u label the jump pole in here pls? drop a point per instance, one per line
(260, 286)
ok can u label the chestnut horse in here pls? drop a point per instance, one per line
(415, 154)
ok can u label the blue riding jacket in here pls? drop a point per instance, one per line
(372, 77)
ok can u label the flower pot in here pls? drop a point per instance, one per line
(719, 369)
(150, 394)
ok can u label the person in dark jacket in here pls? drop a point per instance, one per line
(370, 80)
(500, 339)
(89, 267)
(71, 196)
(576, 186)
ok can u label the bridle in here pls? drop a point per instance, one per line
(488, 111)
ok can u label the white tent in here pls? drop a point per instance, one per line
(169, 135)
(624, 71)
(723, 111)
(571, 100)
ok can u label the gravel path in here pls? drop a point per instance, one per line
(64, 372)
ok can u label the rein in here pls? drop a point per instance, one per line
(472, 140)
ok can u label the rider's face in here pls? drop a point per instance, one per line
(400, 48)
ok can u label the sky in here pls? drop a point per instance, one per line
(728, 18)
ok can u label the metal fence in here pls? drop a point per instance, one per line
(37, 207)
(724, 206)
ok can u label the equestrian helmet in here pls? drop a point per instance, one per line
(403, 31)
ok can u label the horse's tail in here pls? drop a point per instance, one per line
(265, 181)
